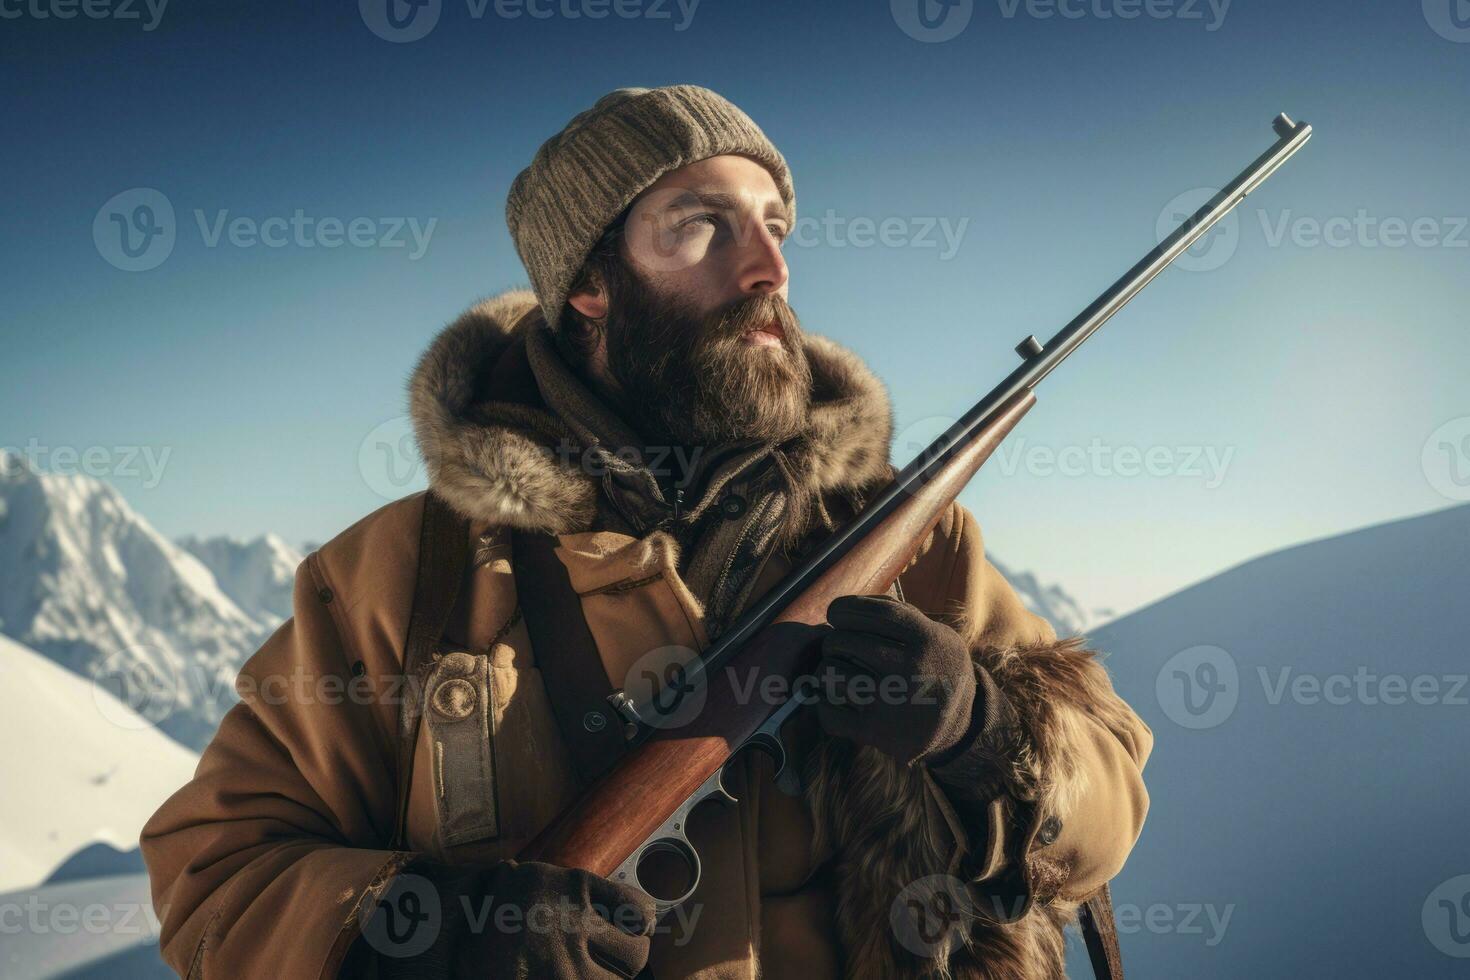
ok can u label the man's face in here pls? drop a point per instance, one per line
(701, 347)
(711, 233)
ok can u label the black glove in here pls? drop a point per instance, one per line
(524, 919)
(895, 679)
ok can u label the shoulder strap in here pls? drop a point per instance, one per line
(443, 552)
(1100, 931)
(575, 679)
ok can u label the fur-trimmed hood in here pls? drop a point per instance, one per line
(488, 437)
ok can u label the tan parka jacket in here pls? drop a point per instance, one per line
(266, 863)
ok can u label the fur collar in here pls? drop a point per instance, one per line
(487, 437)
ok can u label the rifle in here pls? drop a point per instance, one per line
(640, 807)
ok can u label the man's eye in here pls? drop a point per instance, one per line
(709, 218)
(777, 232)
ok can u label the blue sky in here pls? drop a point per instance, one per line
(1304, 376)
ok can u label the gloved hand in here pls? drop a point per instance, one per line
(895, 679)
(529, 919)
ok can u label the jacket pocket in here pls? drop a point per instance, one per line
(461, 719)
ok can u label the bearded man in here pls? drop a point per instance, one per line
(619, 463)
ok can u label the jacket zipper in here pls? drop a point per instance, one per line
(757, 514)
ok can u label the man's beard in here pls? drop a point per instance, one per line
(690, 379)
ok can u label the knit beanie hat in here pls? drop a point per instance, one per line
(583, 177)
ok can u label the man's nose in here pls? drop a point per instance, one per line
(762, 266)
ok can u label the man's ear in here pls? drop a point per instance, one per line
(590, 302)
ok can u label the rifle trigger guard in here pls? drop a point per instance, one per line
(670, 838)
(767, 739)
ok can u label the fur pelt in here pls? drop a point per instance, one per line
(882, 822)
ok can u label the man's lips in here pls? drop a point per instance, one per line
(768, 335)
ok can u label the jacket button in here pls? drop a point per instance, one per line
(732, 505)
(325, 595)
(358, 668)
(1049, 831)
(455, 699)
(594, 721)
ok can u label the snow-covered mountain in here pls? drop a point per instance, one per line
(80, 767)
(1310, 710)
(257, 575)
(91, 585)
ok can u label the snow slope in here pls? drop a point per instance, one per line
(79, 766)
(1311, 713)
(103, 928)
